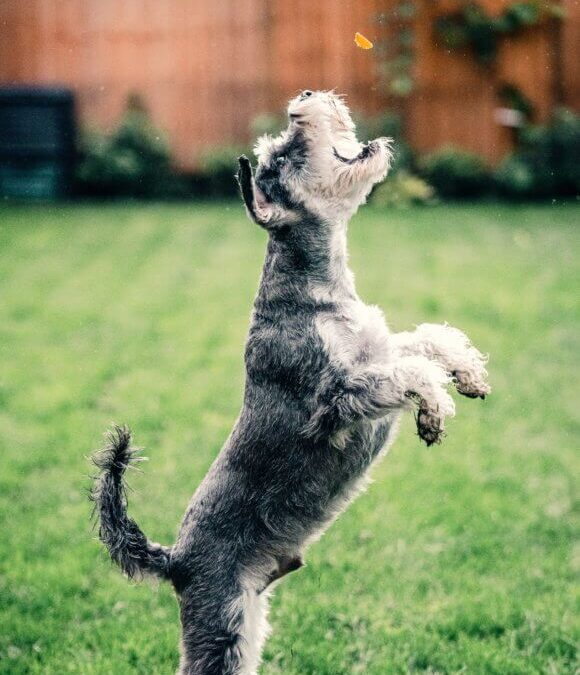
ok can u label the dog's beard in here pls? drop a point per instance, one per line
(325, 121)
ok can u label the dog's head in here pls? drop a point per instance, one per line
(316, 166)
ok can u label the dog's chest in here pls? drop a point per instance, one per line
(357, 333)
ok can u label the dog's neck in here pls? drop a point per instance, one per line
(306, 269)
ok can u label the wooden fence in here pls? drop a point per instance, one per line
(205, 69)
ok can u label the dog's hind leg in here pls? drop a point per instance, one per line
(223, 632)
(254, 629)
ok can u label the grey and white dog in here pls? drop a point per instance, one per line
(326, 384)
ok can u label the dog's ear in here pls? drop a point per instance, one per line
(267, 215)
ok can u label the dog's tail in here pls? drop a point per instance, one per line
(126, 543)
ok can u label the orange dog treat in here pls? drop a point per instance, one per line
(362, 42)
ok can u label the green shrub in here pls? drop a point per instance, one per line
(472, 26)
(455, 174)
(132, 161)
(514, 177)
(402, 190)
(546, 161)
(216, 170)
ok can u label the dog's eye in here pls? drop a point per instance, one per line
(281, 160)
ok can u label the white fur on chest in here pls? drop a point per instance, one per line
(359, 334)
(354, 333)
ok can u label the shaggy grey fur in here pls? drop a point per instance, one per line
(325, 385)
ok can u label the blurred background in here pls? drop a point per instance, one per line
(161, 95)
(127, 273)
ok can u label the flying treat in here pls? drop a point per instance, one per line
(362, 42)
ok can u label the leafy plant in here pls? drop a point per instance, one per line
(403, 190)
(546, 161)
(217, 168)
(396, 50)
(132, 161)
(455, 173)
(514, 177)
(472, 27)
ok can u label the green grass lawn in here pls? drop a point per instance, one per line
(458, 559)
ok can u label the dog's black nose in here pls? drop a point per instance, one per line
(306, 93)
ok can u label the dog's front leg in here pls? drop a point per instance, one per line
(373, 391)
(450, 347)
(372, 163)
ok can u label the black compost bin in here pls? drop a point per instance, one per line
(37, 142)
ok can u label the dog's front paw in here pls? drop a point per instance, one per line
(431, 422)
(472, 383)
(452, 348)
(429, 426)
(434, 404)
